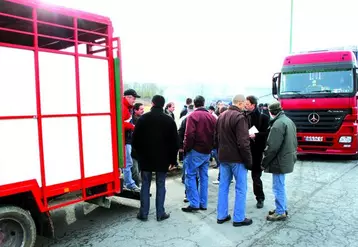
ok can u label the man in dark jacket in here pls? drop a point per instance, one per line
(155, 140)
(233, 141)
(198, 143)
(280, 157)
(258, 144)
(183, 112)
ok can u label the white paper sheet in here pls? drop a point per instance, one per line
(253, 130)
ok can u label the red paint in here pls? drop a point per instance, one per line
(319, 57)
(111, 180)
(112, 95)
(21, 187)
(79, 118)
(317, 103)
(56, 190)
(38, 103)
(54, 116)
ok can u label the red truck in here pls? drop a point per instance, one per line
(60, 117)
(318, 91)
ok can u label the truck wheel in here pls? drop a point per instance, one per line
(17, 228)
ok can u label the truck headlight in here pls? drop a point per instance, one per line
(345, 139)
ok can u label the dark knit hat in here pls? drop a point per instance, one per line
(275, 107)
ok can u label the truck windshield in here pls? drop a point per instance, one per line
(317, 82)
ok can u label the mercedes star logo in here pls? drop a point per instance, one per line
(313, 118)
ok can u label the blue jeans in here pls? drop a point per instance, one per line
(145, 193)
(227, 171)
(127, 171)
(197, 163)
(278, 188)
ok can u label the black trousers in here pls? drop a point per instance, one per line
(257, 184)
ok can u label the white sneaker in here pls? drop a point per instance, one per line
(216, 182)
(135, 188)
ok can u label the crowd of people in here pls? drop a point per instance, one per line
(241, 136)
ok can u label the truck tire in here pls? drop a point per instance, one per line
(17, 228)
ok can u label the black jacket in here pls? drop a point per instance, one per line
(156, 141)
(184, 111)
(261, 122)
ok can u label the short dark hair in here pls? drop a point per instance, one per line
(224, 108)
(158, 101)
(170, 104)
(212, 108)
(252, 99)
(137, 106)
(199, 101)
(188, 101)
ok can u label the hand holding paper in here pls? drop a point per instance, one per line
(253, 130)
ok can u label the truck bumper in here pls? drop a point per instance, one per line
(329, 145)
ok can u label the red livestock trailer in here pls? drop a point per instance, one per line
(61, 136)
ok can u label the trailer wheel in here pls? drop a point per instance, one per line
(17, 228)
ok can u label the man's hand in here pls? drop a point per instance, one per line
(262, 168)
(171, 168)
(252, 136)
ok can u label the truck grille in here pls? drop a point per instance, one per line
(314, 121)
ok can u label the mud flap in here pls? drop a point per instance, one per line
(45, 225)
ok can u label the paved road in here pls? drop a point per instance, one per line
(323, 210)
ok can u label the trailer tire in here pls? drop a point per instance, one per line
(17, 228)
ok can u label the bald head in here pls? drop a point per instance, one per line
(239, 101)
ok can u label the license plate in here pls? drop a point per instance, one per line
(313, 138)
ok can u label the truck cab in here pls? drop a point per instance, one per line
(318, 91)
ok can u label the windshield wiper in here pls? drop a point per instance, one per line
(296, 92)
(328, 91)
(322, 91)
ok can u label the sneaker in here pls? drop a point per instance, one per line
(216, 182)
(135, 188)
(271, 212)
(276, 217)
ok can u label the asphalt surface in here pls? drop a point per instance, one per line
(323, 211)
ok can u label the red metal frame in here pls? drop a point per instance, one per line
(41, 194)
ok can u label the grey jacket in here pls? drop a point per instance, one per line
(280, 153)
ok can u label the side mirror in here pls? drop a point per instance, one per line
(275, 82)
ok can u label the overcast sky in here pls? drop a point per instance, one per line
(226, 41)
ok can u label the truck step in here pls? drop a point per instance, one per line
(129, 194)
(101, 201)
